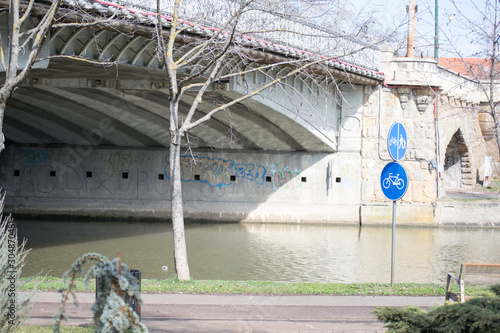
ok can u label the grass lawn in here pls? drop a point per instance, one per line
(50, 329)
(271, 288)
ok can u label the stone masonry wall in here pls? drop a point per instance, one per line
(381, 109)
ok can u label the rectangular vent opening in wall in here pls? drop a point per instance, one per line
(124, 175)
(88, 174)
(196, 177)
(338, 180)
(233, 178)
(268, 179)
(161, 176)
(17, 173)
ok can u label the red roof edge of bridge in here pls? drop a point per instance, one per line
(134, 11)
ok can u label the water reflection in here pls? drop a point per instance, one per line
(275, 252)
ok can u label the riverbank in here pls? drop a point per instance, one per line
(477, 208)
(458, 208)
(223, 287)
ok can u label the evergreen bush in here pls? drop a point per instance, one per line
(477, 315)
(116, 288)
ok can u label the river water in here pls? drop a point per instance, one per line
(273, 252)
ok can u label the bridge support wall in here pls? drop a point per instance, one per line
(134, 183)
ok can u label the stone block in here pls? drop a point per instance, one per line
(408, 197)
(429, 194)
(369, 122)
(416, 175)
(378, 194)
(368, 193)
(365, 174)
(426, 155)
(468, 182)
(368, 145)
(467, 176)
(408, 214)
(417, 190)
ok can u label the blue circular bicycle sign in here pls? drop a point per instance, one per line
(397, 141)
(394, 181)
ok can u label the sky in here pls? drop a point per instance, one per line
(392, 13)
(454, 37)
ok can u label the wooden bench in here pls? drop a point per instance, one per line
(472, 274)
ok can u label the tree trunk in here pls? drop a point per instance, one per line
(496, 122)
(3, 105)
(180, 253)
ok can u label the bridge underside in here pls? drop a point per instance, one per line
(287, 154)
(72, 101)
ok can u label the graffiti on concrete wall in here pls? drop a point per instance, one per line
(347, 173)
(287, 180)
(216, 172)
(119, 160)
(34, 156)
(121, 175)
(256, 173)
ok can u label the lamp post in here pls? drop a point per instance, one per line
(436, 106)
(436, 30)
(411, 30)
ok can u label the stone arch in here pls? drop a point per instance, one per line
(457, 164)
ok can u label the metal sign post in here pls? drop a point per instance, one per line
(393, 179)
(393, 248)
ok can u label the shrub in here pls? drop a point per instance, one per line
(480, 314)
(116, 288)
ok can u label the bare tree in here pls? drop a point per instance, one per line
(24, 39)
(482, 22)
(195, 64)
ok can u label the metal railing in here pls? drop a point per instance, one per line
(287, 34)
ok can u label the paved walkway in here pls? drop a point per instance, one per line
(232, 313)
(476, 195)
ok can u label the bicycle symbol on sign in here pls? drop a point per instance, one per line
(394, 180)
(400, 144)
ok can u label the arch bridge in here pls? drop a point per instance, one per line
(67, 98)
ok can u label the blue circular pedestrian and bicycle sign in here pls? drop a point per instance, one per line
(397, 141)
(394, 181)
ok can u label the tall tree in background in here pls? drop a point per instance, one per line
(195, 64)
(482, 26)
